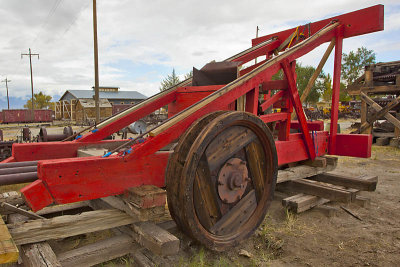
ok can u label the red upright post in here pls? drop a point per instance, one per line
(336, 90)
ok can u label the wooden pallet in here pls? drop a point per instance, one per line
(323, 188)
(134, 219)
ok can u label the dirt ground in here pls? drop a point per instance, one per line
(312, 238)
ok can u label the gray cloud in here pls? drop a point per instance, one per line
(175, 34)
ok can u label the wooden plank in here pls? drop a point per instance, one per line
(318, 189)
(317, 162)
(146, 196)
(227, 144)
(96, 253)
(12, 198)
(243, 209)
(256, 165)
(144, 258)
(39, 254)
(316, 73)
(26, 213)
(380, 112)
(68, 225)
(205, 194)
(156, 239)
(8, 250)
(302, 202)
(368, 184)
(61, 208)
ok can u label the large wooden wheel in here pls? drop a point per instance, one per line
(221, 178)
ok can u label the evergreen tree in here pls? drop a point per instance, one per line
(170, 81)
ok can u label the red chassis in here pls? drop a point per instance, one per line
(65, 178)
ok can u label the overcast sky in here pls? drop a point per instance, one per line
(140, 42)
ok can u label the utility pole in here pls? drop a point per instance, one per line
(8, 100)
(96, 64)
(255, 60)
(30, 62)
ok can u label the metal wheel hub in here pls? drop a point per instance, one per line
(232, 180)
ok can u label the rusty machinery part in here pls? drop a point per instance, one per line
(232, 180)
(26, 134)
(202, 155)
(45, 137)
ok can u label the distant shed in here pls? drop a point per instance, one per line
(67, 105)
(85, 111)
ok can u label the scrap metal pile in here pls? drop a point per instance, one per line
(219, 151)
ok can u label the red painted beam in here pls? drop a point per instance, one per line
(295, 150)
(272, 100)
(51, 150)
(356, 23)
(354, 145)
(295, 98)
(312, 125)
(336, 89)
(262, 51)
(279, 116)
(78, 179)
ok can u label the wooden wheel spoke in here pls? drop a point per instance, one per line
(237, 216)
(256, 164)
(227, 143)
(205, 195)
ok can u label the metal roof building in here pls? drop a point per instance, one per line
(112, 94)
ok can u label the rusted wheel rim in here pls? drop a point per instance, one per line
(231, 138)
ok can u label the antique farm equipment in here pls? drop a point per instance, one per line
(221, 171)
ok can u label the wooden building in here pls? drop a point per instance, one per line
(73, 102)
(85, 111)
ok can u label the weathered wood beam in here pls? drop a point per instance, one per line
(379, 112)
(316, 73)
(8, 250)
(39, 254)
(101, 251)
(302, 202)
(318, 189)
(67, 225)
(364, 184)
(156, 239)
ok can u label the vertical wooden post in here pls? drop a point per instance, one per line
(364, 114)
(336, 90)
(96, 64)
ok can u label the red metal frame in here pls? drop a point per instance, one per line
(64, 178)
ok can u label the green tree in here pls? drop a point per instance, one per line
(303, 76)
(354, 62)
(188, 75)
(327, 82)
(41, 101)
(170, 81)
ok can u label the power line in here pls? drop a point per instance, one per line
(7, 81)
(30, 62)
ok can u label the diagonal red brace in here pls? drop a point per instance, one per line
(295, 98)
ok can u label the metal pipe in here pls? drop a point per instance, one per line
(18, 164)
(18, 178)
(18, 170)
